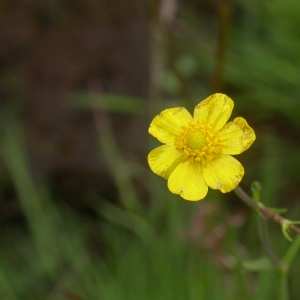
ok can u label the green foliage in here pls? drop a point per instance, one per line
(163, 248)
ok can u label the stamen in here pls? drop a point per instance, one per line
(198, 142)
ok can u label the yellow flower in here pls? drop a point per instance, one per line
(197, 151)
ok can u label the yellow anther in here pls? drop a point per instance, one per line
(198, 143)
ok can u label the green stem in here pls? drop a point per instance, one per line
(116, 164)
(292, 251)
(263, 228)
(282, 265)
(283, 293)
(266, 243)
(263, 210)
(283, 275)
(245, 197)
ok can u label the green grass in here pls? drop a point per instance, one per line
(157, 246)
(154, 253)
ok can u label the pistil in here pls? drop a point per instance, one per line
(198, 142)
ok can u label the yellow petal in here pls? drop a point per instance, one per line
(223, 173)
(187, 180)
(236, 136)
(214, 110)
(167, 125)
(163, 160)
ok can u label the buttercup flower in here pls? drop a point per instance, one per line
(197, 151)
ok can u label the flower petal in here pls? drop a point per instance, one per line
(187, 180)
(167, 125)
(236, 136)
(163, 160)
(223, 173)
(214, 110)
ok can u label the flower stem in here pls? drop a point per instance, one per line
(292, 251)
(245, 197)
(266, 243)
(287, 260)
(283, 293)
(264, 211)
(282, 265)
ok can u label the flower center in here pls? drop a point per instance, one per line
(195, 140)
(198, 142)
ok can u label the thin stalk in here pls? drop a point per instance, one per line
(283, 265)
(266, 242)
(283, 275)
(264, 211)
(292, 251)
(116, 164)
(282, 292)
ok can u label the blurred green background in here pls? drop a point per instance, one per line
(81, 215)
